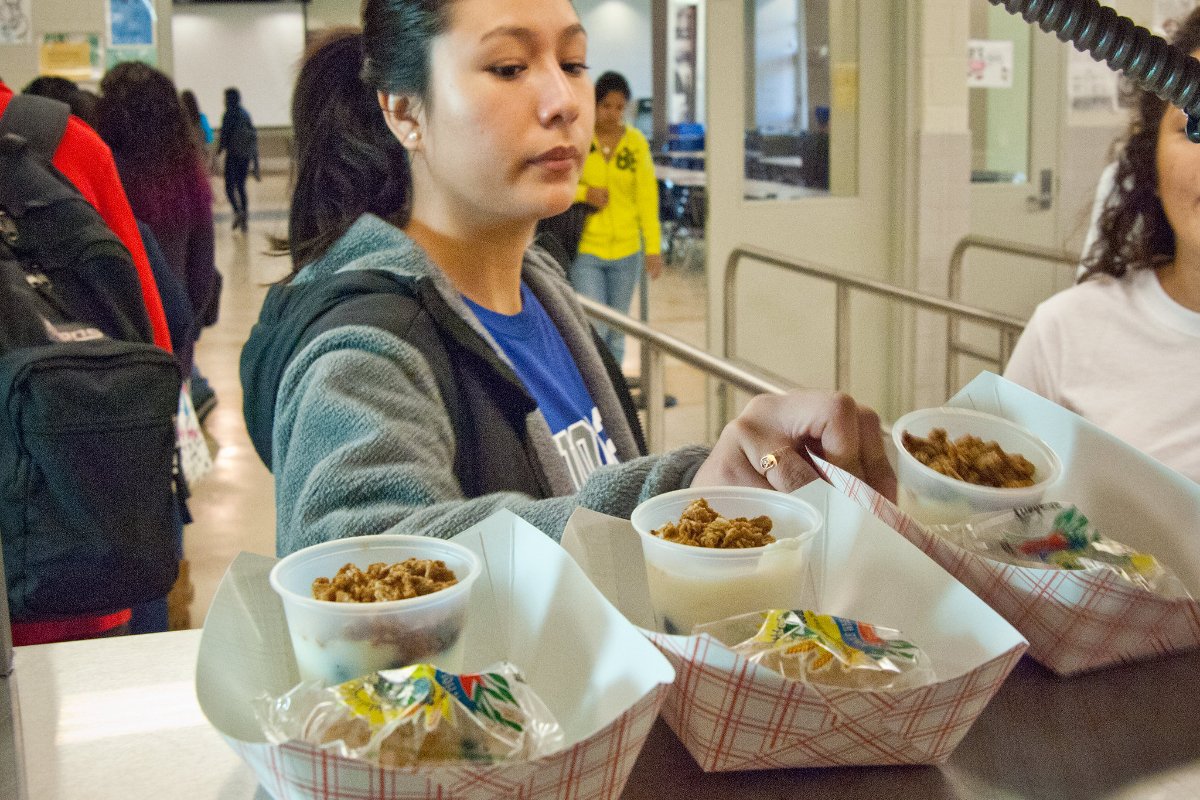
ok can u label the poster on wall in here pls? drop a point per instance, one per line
(74, 56)
(14, 22)
(683, 66)
(1168, 14)
(115, 55)
(989, 64)
(131, 23)
(1091, 85)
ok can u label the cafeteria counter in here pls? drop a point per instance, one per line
(118, 719)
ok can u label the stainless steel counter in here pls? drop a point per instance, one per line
(117, 718)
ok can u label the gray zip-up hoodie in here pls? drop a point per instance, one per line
(363, 443)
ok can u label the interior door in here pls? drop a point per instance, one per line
(1017, 114)
(1015, 140)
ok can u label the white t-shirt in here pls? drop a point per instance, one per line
(1123, 355)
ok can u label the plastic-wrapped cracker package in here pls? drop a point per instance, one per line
(418, 715)
(823, 649)
(1058, 536)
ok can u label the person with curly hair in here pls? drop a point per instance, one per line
(143, 121)
(1122, 347)
(162, 169)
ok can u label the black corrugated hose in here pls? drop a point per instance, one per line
(1146, 59)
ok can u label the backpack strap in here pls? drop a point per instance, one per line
(40, 121)
(374, 298)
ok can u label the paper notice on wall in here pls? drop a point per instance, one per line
(1168, 14)
(15, 27)
(74, 56)
(1091, 85)
(989, 64)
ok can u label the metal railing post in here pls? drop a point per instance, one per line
(657, 346)
(954, 347)
(654, 390)
(844, 284)
(841, 341)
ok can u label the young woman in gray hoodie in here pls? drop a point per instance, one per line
(485, 387)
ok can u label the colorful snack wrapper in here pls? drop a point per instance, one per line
(417, 715)
(819, 648)
(1058, 536)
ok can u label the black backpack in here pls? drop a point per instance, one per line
(89, 491)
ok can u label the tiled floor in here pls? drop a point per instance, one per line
(234, 506)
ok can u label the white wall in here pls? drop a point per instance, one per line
(619, 40)
(258, 47)
(255, 47)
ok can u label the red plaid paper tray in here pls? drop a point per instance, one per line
(732, 715)
(1077, 621)
(602, 679)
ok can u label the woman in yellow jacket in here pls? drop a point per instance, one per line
(618, 181)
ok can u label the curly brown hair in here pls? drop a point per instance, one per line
(143, 122)
(1133, 229)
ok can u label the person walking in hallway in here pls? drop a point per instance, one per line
(239, 143)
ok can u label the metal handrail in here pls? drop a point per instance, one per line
(658, 345)
(844, 284)
(1008, 339)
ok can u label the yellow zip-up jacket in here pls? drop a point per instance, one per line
(631, 215)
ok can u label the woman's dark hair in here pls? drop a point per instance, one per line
(1133, 229)
(347, 160)
(612, 82)
(191, 107)
(52, 86)
(142, 121)
(83, 104)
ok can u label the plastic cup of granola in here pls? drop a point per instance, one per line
(933, 498)
(692, 585)
(338, 641)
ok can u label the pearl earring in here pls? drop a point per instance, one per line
(413, 136)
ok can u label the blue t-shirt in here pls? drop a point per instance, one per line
(544, 364)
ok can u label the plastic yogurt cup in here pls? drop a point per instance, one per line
(692, 585)
(933, 498)
(336, 642)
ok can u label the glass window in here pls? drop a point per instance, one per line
(802, 98)
(999, 80)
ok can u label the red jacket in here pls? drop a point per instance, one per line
(86, 160)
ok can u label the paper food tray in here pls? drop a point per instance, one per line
(734, 715)
(1083, 620)
(602, 679)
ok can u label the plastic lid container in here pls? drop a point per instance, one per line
(693, 585)
(931, 497)
(336, 642)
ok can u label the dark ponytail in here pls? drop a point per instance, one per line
(347, 161)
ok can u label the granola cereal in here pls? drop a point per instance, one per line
(413, 577)
(701, 526)
(970, 459)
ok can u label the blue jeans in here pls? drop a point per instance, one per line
(611, 283)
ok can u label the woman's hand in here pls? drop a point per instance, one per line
(785, 427)
(654, 266)
(597, 197)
